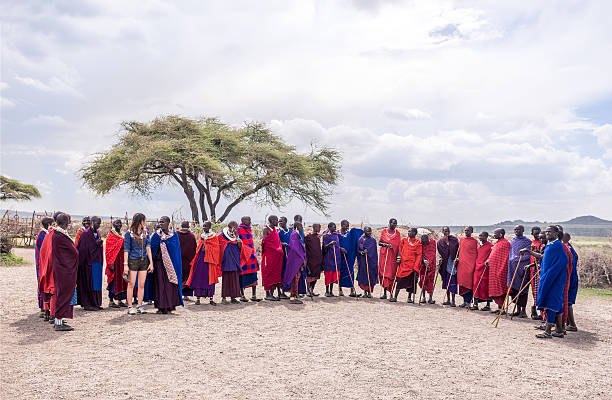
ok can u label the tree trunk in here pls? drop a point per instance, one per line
(188, 190)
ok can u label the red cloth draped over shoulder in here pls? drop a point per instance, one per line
(428, 274)
(212, 256)
(498, 268)
(272, 259)
(45, 269)
(78, 236)
(411, 254)
(468, 253)
(113, 250)
(481, 274)
(387, 257)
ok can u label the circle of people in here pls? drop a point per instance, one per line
(167, 267)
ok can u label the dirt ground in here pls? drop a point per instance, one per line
(327, 348)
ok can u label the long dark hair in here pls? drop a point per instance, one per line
(135, 227)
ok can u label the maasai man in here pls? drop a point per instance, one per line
(553, 275)
(428, 268)
(314, 258)
(91, 257)
(497, 264)
(86, 222)
(206, 265)
(188, 245)
(568, 276)
(45, 222)
(387, 259)
(573, 287)
(248, 261)
(45, 282)
(167, 268)
(65, 265)
(332, 252)
(230, 263)
(116, 285)
(409, 258)
(367, 262)
(448, 246)
(536, 245)
(348, 241)
(302, 289)
(284, 233)
(481, 273)
(296, 259)
(271, 260)
(517, 269)
(466, 264)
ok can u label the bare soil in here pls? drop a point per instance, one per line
(327, 348)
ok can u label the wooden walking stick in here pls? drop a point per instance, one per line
(371, 289)
(336, 264)
(423, 282)
(448, 284)
(478, 284)
(501, 311)
(350, 277)
(525, 286)
(520, 290)
(382, 282)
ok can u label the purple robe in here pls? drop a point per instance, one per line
(296, 257)
(65, 261)
(448, 253)
(367, 273)
(89, 281)
(200, 279)
(517, 244)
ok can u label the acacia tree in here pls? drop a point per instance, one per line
(215, 161)
(12, 189)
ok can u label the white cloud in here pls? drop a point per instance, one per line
(604, 139)
(406, 113)
(460, 109)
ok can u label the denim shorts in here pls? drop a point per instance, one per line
(138, 264)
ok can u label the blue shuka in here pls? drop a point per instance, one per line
(553, 275)
(329, 262)
(573, 287)
(367, 274)
(174, 250)
(348, 241)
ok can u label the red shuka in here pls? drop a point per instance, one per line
(272, 260)
(468, 253)
(428, 274)
(387, 258)
(411, 254)
(113, 252)
(498, 268)
(481, 272)
(45, 283)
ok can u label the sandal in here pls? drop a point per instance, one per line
(571, 328)
(544, 335)
(558, 334)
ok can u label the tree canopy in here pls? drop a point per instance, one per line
(12, 189)
(213, 160)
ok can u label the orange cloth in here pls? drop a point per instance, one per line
(78, 236)
(468, 253)
(212, 256)
(410, 253)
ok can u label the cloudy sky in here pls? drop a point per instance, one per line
(446, 112)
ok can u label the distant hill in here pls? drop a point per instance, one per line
(587, 220)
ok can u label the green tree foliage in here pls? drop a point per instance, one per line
(210, 160)
(12, 189)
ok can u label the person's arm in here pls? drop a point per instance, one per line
(127, 247)
(537, 256)
(150, 269)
